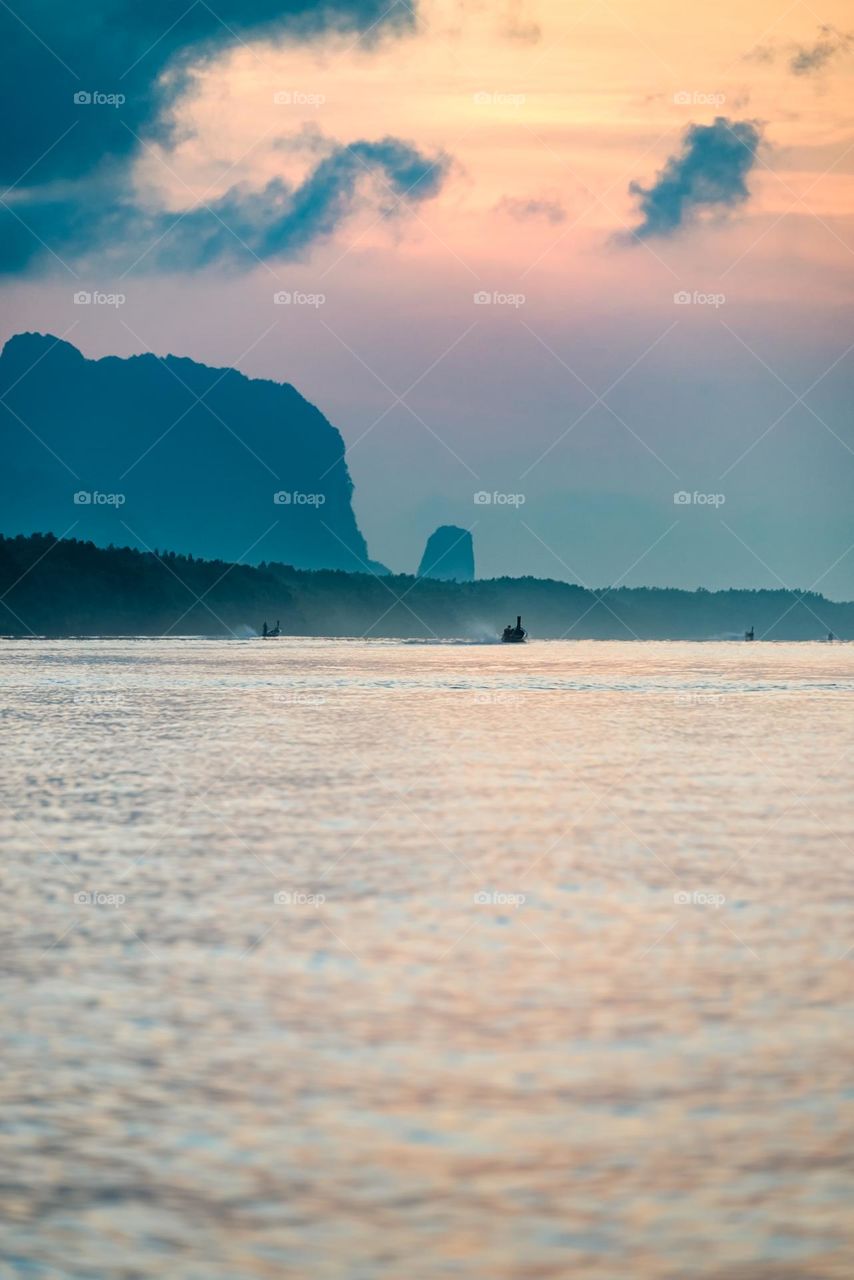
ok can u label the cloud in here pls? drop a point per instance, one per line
(810, 59)
(520, 26)
(761, 53)
(709, 172)
(523, 209)
(138, 50)
(67, 160)
(806, 59)
(283, 222)
(245, 225)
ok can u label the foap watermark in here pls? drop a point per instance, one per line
(699, 898)
(85, 298)
(298, 98)
(84, 899)
(99, 700)
(293, 298)
(496, 697)
(94, 498)
(495, 298)
(302, 698)
(697, 98)
(682, 498)
(697, 298)
(95, 98)
(297, 898)
(696, 698)
(490, 898)
(495, 499)
(293, 497)
(485, 98)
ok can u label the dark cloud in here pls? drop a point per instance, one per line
(709, 172)
(806, 59)
(811, 59)
(520, 26)
(279, 221)
(141, 49)
(522, 210)
(66, 160)
(242, 226)
(761, 53)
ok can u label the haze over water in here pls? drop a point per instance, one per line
(558, 981)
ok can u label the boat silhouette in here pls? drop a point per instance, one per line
(514, 635)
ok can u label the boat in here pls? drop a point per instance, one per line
(514, 635)
(271, 633)
(748, 635)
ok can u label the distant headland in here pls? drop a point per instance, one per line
(206, 461)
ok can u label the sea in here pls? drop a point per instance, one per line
(378, 960)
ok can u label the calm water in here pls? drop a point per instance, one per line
(558, 981)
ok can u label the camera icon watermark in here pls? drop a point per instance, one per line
(682, 498)
(696, 98)
(697, 298)
(297, 898)
(83, 298)
(293, 497)
(484, 499)
(489, 898)
(94, 498)
(699, 898)
(298, 98)
(83, 98)
(289, 298)
(495, 298)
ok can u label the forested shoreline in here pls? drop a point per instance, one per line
(66, 587)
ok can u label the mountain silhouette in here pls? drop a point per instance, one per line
(448, 555)
(171, 453)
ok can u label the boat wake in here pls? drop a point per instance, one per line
(455, 640)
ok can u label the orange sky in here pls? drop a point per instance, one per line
(553, 102)
(562, 105)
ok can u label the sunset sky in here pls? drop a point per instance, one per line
(582, 165)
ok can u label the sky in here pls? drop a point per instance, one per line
(574, 276)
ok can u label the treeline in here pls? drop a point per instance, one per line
(65, 587)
